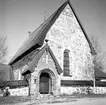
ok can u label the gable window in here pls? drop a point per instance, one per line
(66, 63)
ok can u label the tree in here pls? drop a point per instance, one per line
(100, 57)
(3, 49)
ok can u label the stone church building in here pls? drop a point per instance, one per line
(56, 53)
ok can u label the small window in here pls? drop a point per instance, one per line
(66, 63)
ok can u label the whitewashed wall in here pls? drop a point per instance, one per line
(19, 91)
(98, 90)
(82, 90)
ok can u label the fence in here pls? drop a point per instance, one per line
(82, 83)
(14, 84)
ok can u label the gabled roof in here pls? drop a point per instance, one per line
(37, 57)
(38, 36)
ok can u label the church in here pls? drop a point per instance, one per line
(56, 56)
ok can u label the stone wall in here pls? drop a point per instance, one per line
(67, 34)
(19, 91)
(65, 90)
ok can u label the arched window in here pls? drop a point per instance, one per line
(66, 63)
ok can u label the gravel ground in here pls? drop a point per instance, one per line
(62, 100)
(84, 101)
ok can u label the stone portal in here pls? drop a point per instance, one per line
(46, 81)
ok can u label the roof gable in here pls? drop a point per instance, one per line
(37, 57)
(38, 36)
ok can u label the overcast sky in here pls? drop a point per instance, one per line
(17, 17)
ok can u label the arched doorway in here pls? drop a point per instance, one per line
(45, 83)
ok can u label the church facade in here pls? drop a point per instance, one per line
(58, 50)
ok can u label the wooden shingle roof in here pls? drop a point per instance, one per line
(36, 39)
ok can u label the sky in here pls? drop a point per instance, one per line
(17, 17)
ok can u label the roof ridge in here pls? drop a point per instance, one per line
(52, 16)
(43, 23)
(49, 17)
(46, 23)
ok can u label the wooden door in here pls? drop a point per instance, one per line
(44, 83)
